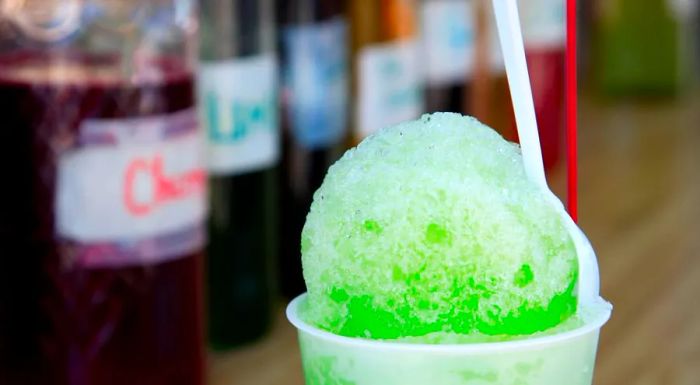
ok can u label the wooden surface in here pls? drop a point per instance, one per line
(640, 206)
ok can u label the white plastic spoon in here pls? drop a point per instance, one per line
(510, 35)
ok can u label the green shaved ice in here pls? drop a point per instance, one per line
(432, 226)
(571, 323)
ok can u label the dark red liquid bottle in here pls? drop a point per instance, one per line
(102, 202)
(544, 32)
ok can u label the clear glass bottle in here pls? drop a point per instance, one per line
(101, 214)
(387, 73)
(449, 41)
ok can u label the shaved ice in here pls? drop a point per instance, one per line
(431, 227)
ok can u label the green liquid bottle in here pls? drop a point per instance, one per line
(637, 47)
(238, 96)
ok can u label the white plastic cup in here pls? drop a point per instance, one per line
(565, 358)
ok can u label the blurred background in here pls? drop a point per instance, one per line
(281, 89)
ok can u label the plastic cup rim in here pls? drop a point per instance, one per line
(595, 323)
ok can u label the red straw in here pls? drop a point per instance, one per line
(571, 111)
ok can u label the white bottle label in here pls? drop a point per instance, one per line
(133, 190)
(238, 102)
(389, 89)
(543, 23)
(448, 40)
(316, 82)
